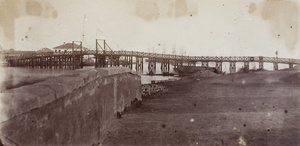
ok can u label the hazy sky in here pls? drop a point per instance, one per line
(191, 27)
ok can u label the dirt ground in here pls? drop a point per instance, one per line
(254, 109)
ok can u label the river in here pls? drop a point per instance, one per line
(12, 77)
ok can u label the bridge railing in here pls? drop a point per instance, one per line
(163, 56)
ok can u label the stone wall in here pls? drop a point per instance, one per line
(72, 109)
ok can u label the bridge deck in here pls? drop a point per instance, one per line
(30, 54)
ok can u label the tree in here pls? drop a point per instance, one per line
(11, 50)
(45, 50)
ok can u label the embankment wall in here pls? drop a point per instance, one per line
(72, 109)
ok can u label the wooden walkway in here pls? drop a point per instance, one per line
(104, 57)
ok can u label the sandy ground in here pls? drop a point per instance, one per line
(254, 109)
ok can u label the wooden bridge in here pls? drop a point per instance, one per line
(105, 57)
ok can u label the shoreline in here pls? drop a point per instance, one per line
(258, 108)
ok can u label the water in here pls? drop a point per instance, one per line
(12, 77)
(146, 79)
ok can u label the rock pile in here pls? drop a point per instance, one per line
(203, 73)
(152, 89)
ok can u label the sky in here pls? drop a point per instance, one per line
(183, 27)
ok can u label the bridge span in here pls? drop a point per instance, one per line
(105, 57)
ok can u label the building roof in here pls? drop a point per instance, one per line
(68, 46)
(45, 50)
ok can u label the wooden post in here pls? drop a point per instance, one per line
(168, 66)
(32, 63)
(130, 62)
(142, 61)
(96, 55)
(73, 55)
(40, 60)
(50, 62)
(81, 56)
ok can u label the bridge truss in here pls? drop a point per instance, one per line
(105, 57)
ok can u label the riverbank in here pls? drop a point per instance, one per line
(260, 108)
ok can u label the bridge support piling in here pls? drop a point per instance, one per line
(73, 64)
(118, 63)
(165, 66)
(41, 62)
(246, 67)
(128, 61)
(60, 61)
(275, 66)
(103, 61)
(291, 65)
(66, 61)
(176, 64)
(57, 62)
(192, 63)
(111, 59)
(261, 65)
(70, 62)
(96, 61)
(54, 61)
(117, 60)
(80, 62)
(32, 62)
(76, 62)
(168, 66)
(219, 66)
(124, 62)
(139, 64)
(204, 64)
(232, 68)
(100, 61)
(17, 64)
(151, 66)
(131, 62)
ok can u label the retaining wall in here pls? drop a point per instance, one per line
(73, 109)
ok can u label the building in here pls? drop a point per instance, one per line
(45, 50)
(68, 48)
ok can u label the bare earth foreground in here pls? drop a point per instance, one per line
(253, 109)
